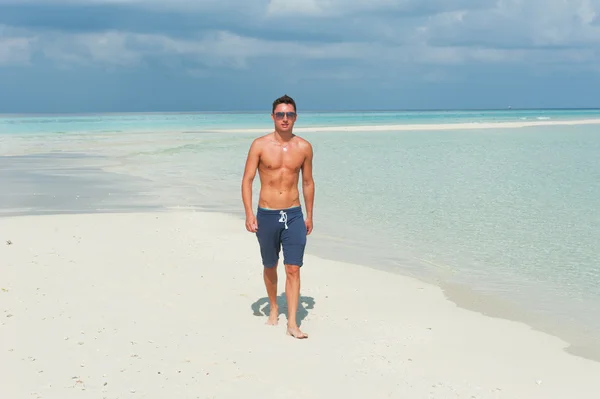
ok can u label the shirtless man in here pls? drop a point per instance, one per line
(279, 157)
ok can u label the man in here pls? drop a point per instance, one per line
(279, 157)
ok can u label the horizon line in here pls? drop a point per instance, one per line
(13, 114)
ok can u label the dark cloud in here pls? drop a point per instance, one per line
(484, 23)
(94, 18)
(102, 17)
(354, 21)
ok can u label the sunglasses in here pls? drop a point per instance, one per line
(280, 115)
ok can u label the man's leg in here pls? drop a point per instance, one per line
(294, 242)
(270, 277)
(269, 242)
(292, 293)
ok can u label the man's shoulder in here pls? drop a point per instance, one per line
(258, 142)
(264, 137)
(303, 143)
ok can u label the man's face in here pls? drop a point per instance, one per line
(284, 117)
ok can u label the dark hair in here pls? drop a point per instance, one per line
(285, 99)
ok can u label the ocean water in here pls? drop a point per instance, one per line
(194, 122)
(506, 220)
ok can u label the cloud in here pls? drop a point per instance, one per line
(387, 43)
(394, 8)
(109, 48)
(213, 49)
(224, 49)
(490, 24)
(15, 46)
(122, 16)
(519, 24)
(14, 50)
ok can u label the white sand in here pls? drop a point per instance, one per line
(160, 306)
(429, 126)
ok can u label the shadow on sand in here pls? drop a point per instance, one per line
(262, 307)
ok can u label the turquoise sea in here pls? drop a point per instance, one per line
(202, 121)
(506, 220)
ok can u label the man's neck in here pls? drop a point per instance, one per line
(279, 136)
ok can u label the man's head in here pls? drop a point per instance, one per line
(284, 114)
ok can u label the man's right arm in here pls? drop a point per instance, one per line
(249, 174)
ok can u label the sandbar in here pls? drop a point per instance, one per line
(429, 126)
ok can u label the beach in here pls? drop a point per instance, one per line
(171, 304)
(453, 258)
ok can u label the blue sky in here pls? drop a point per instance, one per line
(202, 55)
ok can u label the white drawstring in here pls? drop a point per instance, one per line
(283, 218)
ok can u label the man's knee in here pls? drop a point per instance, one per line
(292, 271)
(270, 269)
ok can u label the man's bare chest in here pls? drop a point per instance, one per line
(281, 158)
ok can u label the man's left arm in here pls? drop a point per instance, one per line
(308, 187)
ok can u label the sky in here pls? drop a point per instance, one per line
(60, 56)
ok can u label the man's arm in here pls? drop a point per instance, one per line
(308, 184)
(249, 174)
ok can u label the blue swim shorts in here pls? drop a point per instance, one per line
(281, 227)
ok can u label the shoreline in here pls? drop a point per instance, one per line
(137, 321)
(426, 126)
(461, 294)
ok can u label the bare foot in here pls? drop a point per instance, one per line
(273, 316)
(296, 333)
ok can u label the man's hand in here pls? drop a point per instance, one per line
(251, 224)
(309, 226)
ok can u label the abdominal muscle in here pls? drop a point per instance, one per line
(279, 189)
